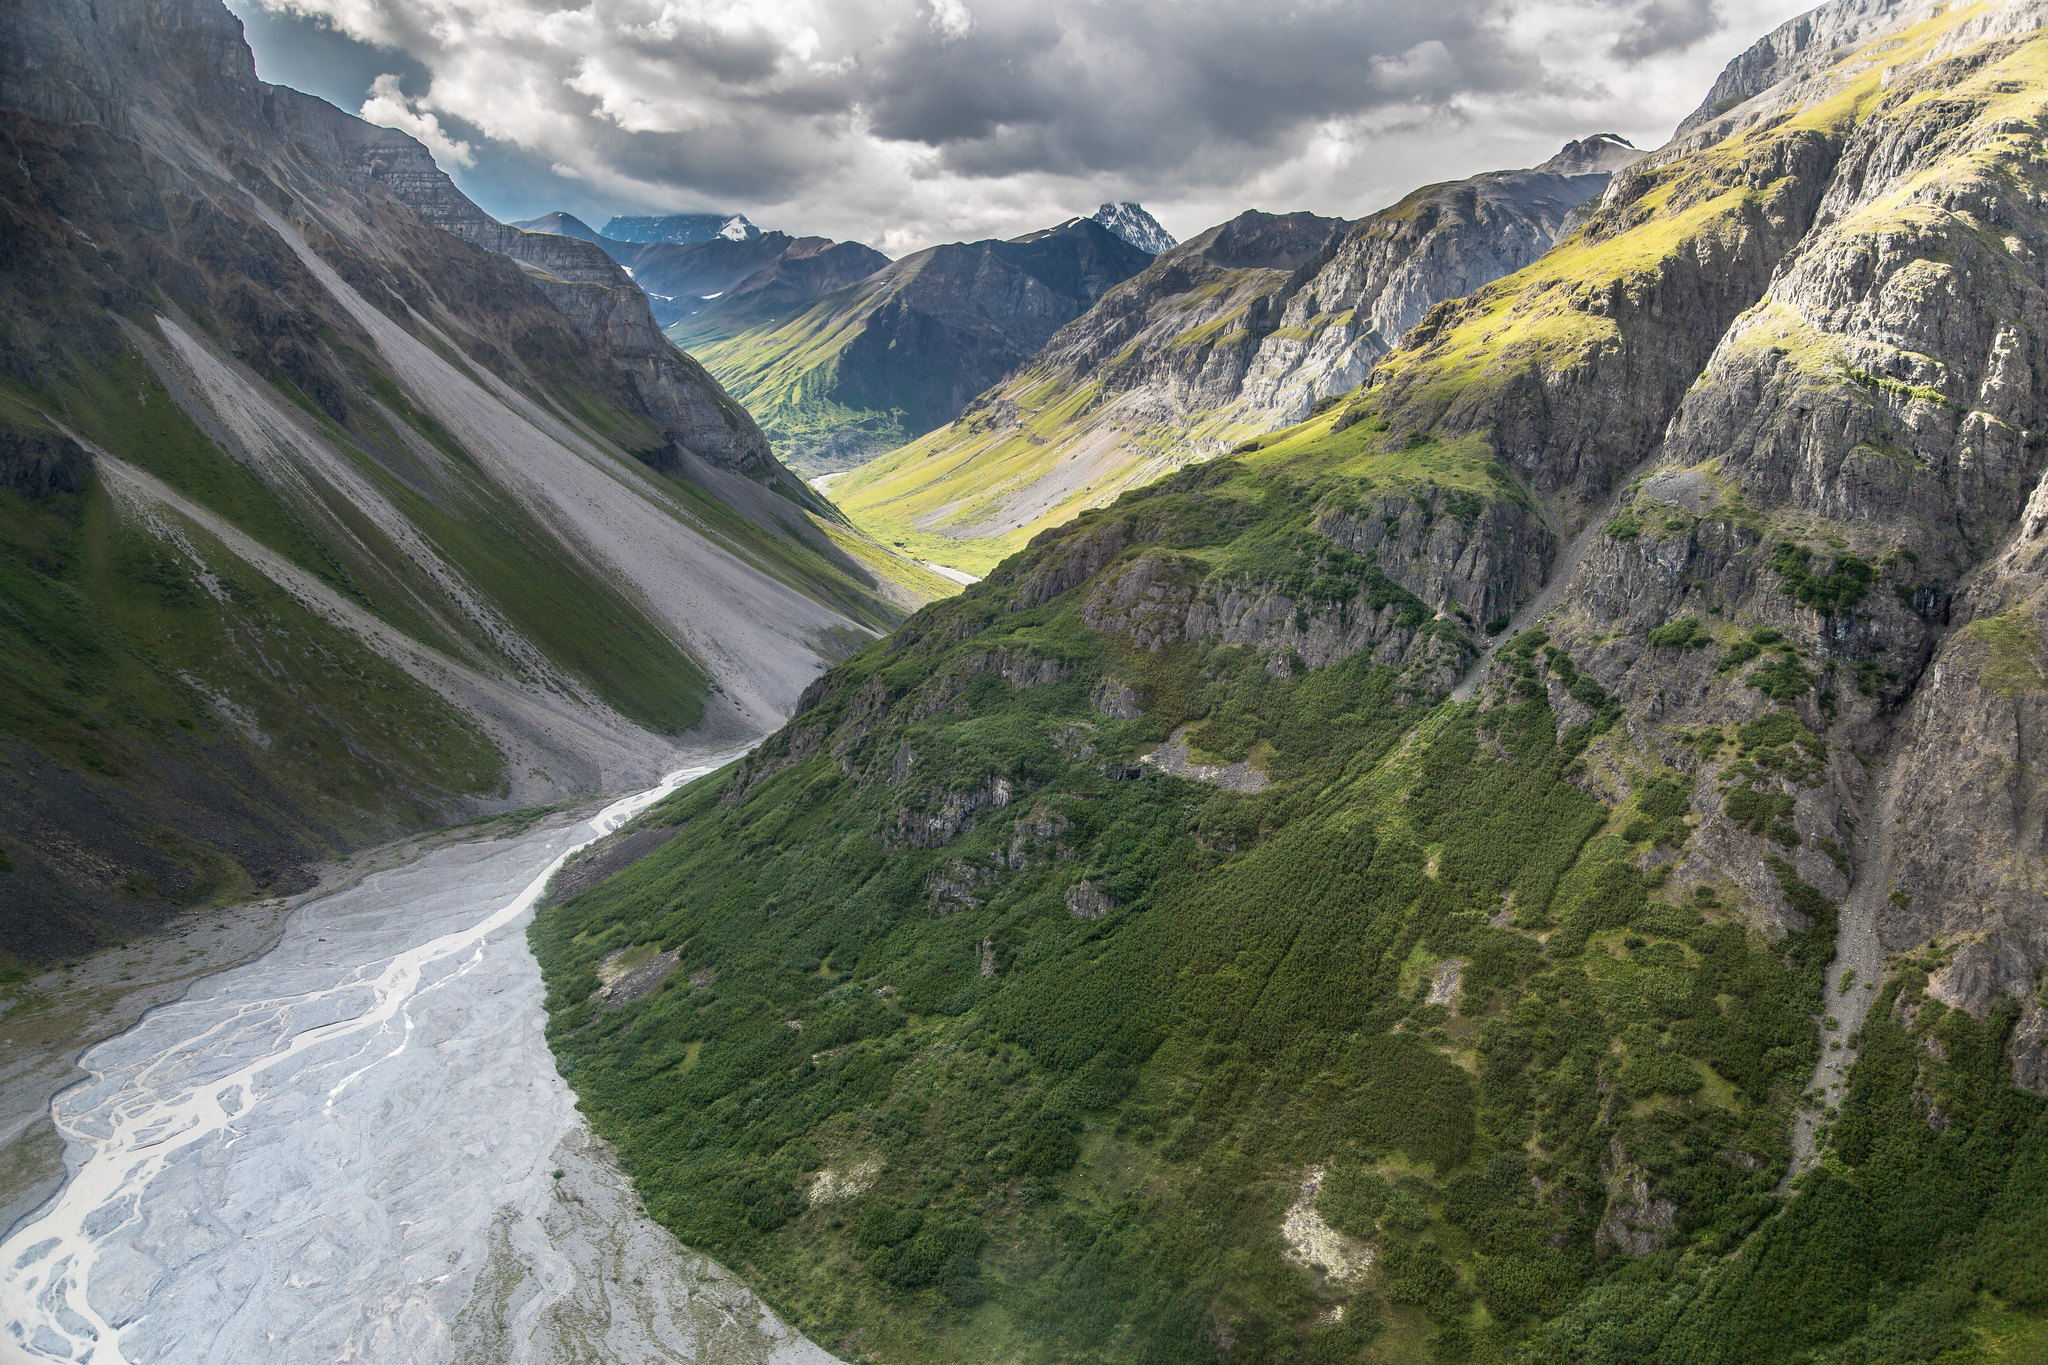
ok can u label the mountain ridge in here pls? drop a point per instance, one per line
(335, 509)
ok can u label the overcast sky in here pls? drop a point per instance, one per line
(902, 123)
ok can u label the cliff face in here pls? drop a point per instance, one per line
(1820, 408)
(900, 352)
(1235, 333)
(332, 508)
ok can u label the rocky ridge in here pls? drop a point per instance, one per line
(1830, 481)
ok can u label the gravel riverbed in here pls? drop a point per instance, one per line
(356, 1147)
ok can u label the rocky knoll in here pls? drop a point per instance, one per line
(1241, 330)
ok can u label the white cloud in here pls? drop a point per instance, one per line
(952, 19)
(392, 108)
(903, 122)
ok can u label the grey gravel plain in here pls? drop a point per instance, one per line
(357, 1147)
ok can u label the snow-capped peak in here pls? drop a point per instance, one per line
(1134, 225)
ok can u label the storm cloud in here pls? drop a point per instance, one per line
(902, 122)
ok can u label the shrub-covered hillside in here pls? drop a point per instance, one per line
(985, 1035)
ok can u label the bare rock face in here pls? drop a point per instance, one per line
(1116, 699)
(1086, 900)
(1636, 1222)
(578, 277)
(36, 464)
(1804, 447)
(2029, 1049)
(1173, 757)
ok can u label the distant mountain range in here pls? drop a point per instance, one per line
(1238, 332)
(837, 381)
(682, 228)
(683, 279)
(900, 352)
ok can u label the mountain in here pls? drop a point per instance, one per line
(682, 227)
(1600, 154)
(331, 508)
(1535, 862)
(761, 274)
(871, 365)
(563, 225)
(1236, 333)
(799, 274)
(1130, 222)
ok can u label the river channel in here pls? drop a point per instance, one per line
(357, 1148)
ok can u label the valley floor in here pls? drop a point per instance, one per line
(356, 1146)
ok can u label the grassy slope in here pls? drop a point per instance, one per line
(1090, 1150)
(961, 469)
(786, 372)
(931, 494)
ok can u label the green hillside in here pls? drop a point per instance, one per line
(1527, 865)
(926, 1102)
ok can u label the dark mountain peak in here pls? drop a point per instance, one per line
(1600, 154)
(562, 225)
(1266, 241)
